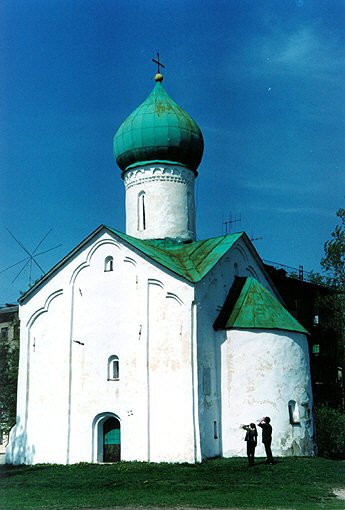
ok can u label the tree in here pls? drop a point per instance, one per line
(334, 260)
(333, 264)
(9, 357)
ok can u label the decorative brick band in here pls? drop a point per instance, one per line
(142, 175)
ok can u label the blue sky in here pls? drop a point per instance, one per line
(264, 79)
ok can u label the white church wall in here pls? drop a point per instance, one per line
(46, 410)
(261, 373)
(146, 326)
(40, 429)
(208, 384)
(136, 312)
(210, 296)
(175, 399)
(104, 325)
(160, 202)
(169, 378)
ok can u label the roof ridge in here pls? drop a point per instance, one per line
(213, 248)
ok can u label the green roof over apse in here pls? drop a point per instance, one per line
(158, 131)
(189, 260)
(249, 305)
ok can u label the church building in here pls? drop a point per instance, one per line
(152, 345)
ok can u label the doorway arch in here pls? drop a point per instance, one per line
(106, 431)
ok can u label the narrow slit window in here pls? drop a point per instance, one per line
(215, 430)
(190, 211)
(109, 264)
(142, 211)
(113, 368)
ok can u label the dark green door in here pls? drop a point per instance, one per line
(111, 440)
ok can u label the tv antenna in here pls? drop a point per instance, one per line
(30, 259)
(255, 238)
(230, 222)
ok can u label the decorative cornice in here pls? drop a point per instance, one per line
(138, 176)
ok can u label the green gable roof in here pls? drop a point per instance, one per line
(190, 260)
(249, 305)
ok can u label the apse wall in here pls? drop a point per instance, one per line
(266, 373)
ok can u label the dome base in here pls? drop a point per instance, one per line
(160, 202)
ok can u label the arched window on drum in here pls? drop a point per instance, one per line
(141, 211)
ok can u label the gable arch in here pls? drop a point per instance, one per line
(171, 295)
(44, 308)
(240, 254)
(91, 252)
(129, 260)
(153, 281)
(251, 272)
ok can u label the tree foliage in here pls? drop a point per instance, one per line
(9, 358)
(333, 265)
(330, 427)
(334, 260)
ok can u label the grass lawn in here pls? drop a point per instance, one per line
(292, 483)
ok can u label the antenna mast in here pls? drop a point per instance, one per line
(230, 222)
(31, 257)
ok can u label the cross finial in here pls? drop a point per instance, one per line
(159, 76)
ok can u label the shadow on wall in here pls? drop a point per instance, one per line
(17, 451)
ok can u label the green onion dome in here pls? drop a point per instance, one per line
(158, 131)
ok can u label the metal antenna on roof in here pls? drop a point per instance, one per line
(31, 257)
(229, 222)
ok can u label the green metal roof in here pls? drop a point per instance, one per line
(158, 131)
(249, 305)
(190, 260)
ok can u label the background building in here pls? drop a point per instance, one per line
(309, 304)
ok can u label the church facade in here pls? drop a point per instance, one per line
(151, 345)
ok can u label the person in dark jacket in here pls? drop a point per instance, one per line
(252, 441)
(267, 437)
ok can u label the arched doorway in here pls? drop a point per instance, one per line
(111, 440)
(106, 438)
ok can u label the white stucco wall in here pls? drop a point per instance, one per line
(261, 372)
(169, 202)
(184, 389)
(211, 293)
(71, 327)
